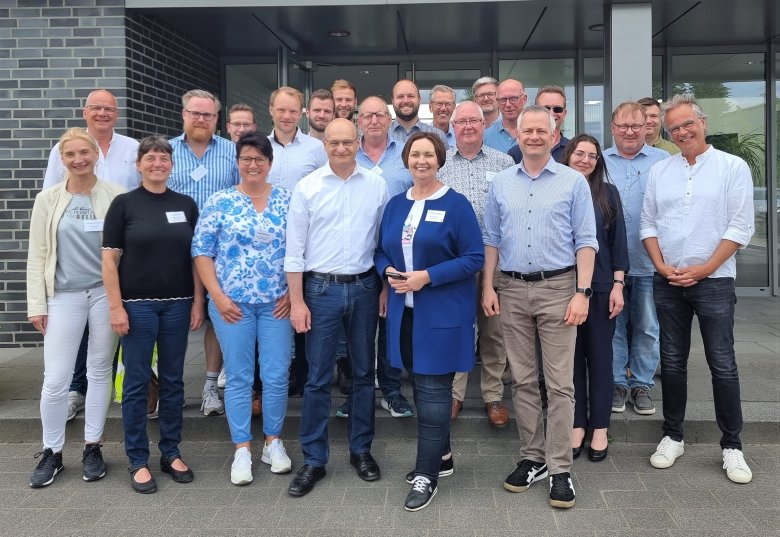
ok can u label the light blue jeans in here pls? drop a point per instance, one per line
(237, 341)
(635, 344)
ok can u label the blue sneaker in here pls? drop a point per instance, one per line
(343, 410)
(397, 405)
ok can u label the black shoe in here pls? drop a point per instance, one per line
(561, 491)
(423, 491)
(304, 480)
(147, 487)
(597, 455)
(92, 462)
(577, 451)
(180, 476)
(367, 468)
(49, 466)
(447, 467)
(526, 473)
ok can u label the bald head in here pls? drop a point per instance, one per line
(511, 100)
(340, 128)
(100, 113)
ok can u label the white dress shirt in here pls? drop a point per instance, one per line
(295, 160)
(333, 224)
(691, 209)
(117, 166)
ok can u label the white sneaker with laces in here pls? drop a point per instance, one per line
(212, 404)
(221, 379)
(666, 453)
(736, 468)
(275, 455)
(75, 404)
(241, 469)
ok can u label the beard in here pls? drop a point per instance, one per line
(406, 117)
(319, 127)
(199, 134)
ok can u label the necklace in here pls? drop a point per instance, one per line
(261, 195)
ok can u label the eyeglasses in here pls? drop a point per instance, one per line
(237, 125)
(467, 122)
(688, 125)
(207, 116)
(624, 128)
(513, 99)
(368, 116)
(341, 143)
(442, 104)
(486, 95)
(105, 109)
(248, 161)
(593, 157)
(556, 109)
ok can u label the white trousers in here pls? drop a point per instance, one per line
(69, 312)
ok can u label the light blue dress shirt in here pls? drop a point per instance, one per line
(296, 160)
(497, 137)
(390, 167)
(401, 135)
(539, 223)
(199, 178)
(630, 178)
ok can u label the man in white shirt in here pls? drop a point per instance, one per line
(332, 231)
(698, 211)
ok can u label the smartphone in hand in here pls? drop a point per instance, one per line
(396, 276)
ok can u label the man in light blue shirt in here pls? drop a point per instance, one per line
(511, 100)
(406, 104)
(635, 343)
(485, 92)
(442, 105)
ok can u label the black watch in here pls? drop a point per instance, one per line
(587, 291)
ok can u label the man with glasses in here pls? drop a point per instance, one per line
(406, 104)
(204, 163)
(241, 119)
(653, 125)
(511, 101)
(116, 164)
(485, 91)
(332, 230)
(320, 112)
(469, 169)
(442, 104)
(635, 343)
(698, 212)
(553, 98)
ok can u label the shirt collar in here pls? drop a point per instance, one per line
(644, 150)
(294, 139)
(329, 172)
(549, 166)
(458, 153)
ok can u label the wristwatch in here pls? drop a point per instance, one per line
(587, 291)
(621, 282)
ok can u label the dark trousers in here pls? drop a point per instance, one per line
(433, 400)
(593, 366)
(712, 300)
(79, 382)
(388, 377)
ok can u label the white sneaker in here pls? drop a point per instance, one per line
(212, 404)
(666, 453)
(221, 379)
(241, 469)
(75, 404)
(736, 468)
(275, 455)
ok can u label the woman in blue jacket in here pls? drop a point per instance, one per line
(430, 250)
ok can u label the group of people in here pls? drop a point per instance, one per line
(580, 267)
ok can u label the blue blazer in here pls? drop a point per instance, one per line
(445, 310)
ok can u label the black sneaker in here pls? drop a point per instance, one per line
(526, 473)
(423, 491)
(92, 462)
(446, 468)
(50, 466)
(561, 491)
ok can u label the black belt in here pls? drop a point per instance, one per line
(536, 276)
(340, 278)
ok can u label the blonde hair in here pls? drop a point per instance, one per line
(77, 133)
(287, 90)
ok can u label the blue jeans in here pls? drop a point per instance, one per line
(237, 342)
(712, 300)
(355, 306)
(388, 377)
(635, 344)
(433, 400)
(167, 323)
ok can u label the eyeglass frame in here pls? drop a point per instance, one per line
(206, 116)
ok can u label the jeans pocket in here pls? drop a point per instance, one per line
(316, 286)
(370, 283)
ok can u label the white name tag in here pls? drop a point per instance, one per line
(434, 216)
(199, 173)
(264, 237)
(489, 176)
(377, 170)
(93, 225)
(176, 217)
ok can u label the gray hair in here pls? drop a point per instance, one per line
(552, 89)
(203, 94)
(678, 101)
(466, 103)
(482, 81)
(536, 109)
(441, 88)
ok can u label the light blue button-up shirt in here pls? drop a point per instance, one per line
(400, 134)
(539, 223)
(497, 137)
(199, 178)
(296, 160)
(630, 177)
(390, 167)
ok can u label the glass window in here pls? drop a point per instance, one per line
(251, 84)
(731, 90)
(593, 80)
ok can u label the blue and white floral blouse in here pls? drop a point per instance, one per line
(247, 246)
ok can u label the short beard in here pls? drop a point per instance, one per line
(314, 127)
(406, 117)
(199, 134)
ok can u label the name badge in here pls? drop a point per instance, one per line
(434, 216)
(199, 173)
(93, 225)
(377, 170)
(489, 176)
(176, 217)
(264, 237)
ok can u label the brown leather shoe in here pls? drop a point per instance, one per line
(456, 406)
(498, 415)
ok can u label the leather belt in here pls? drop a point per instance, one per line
(340, 278)
(536, 276)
